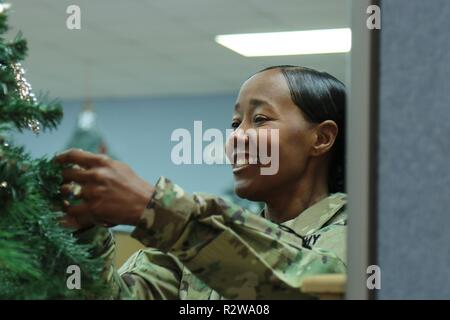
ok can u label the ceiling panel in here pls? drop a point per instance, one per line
(160, 47)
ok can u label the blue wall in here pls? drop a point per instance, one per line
(414, 154)
(138, 132)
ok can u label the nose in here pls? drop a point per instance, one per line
(240, 136)
(238, 142)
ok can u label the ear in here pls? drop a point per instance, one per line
(326, 133)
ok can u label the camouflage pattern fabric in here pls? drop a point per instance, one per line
(203, 247)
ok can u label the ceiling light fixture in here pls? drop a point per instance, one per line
(288, 43)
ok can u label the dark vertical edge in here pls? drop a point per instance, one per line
(374, 145)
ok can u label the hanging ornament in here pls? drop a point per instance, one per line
(34, 125)
(24, 90)
(4, 184)
(23, 86)
(4, 7)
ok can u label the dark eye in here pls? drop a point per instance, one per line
(235, 124)
(259, 118)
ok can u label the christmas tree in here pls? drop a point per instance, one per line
(35, 250)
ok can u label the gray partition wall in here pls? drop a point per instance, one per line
(413, 201)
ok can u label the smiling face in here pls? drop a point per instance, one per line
(264, 102)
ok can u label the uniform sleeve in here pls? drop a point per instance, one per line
(235, 252)
(148, 274)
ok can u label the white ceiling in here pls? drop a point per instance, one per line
(161, 47)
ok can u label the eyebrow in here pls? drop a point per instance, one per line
(255, 103)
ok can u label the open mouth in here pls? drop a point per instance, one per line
(241, 161)
(240, 167)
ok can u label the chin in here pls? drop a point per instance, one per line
(249, 191)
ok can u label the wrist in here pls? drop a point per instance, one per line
(141, 204)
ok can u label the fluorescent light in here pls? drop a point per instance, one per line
(288, 43)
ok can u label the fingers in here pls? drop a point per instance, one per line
(80, 216)
(79, 210)
(77, 217)
(79, 213)
(71, 190)
(70, 222)
(75, 223)
(67, 189)
(82, 158)
(77, 175)
(87, 192)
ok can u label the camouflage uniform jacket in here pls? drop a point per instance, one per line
(203, 247)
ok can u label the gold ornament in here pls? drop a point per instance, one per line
(23, 87)
(24, 90)
(34, 125)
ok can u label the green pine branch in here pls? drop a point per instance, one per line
(35, 250)
(19, 113)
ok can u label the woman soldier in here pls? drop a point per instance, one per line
(203, 247)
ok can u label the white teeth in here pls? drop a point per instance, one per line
(238, 168)
(241, 163)
(244, 163)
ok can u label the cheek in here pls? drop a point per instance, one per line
(268, 141)
(294, 147)
(229, 147)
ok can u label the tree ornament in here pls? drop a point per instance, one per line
(4, 7)
(35, 126)
(23, 86)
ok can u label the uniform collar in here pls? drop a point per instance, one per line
(316, 216)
